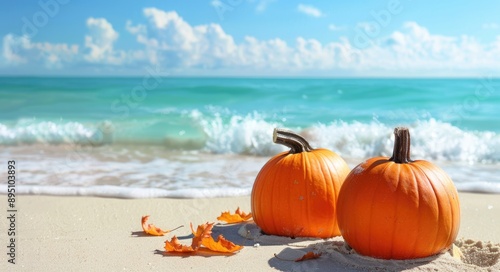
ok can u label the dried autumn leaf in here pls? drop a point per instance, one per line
(202, 237)
(152, 229)
(237, 217)
(202, 232)
(174, 246)
(222, 245)
(308, 256)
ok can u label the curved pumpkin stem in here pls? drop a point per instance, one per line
(401, 152)
(288, 138)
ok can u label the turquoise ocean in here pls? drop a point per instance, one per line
(150, 136)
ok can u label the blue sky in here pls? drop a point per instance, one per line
(394, 38)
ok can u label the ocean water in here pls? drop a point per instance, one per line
(209, 137)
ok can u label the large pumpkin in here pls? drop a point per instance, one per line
(295, 193)
(396, 208)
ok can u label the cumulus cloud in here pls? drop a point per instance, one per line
(309, 10)
(18, 50)
(100, 42)
(174, 43)
(415, 48)
(170, 42)
(98, 49)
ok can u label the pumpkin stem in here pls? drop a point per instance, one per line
(288, 138)
(401, 152)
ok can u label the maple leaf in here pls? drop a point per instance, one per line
(308, 256)
(174, 246)
(222, 245)
(202, 237)
(237, 217)
(152, 229)
(202, 232)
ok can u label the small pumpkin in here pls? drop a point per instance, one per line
(396, 208)
(295, 192)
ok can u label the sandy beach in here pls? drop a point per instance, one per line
(103, 234)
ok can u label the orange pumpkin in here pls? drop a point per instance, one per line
(295, 193)
(396, 208)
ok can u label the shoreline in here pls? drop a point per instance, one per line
(98, 234)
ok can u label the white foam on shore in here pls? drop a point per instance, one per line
(432, 139)
(479, 187)
(233, 153)
(138, 192)
(128, 192)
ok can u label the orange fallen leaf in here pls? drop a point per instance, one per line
(202, 232)
(202, 237)
(308, 256)
(222, 245)
(174, 246)
(237, 217)
(152, 229)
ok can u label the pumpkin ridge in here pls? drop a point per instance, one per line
(330, 185)
(327, 183)
(394, 188)
(450, 232)
(265, 192)
(310, 179)
(370, 221)
(297, 222)
(417, 225)
(450, 197)
(438, 203)
(290, 178)
(395, 221)
(269, 196)
(275, 188)
(260, 192)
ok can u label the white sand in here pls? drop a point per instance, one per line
(104, 234)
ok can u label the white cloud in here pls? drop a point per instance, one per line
(100, 42)
(174, 43)
(11, 44)
(181, 48)
(138, 29)
(19, 50)
(309, 10)
(415, 49)
(171, 41)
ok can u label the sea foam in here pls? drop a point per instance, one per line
(252, 135)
